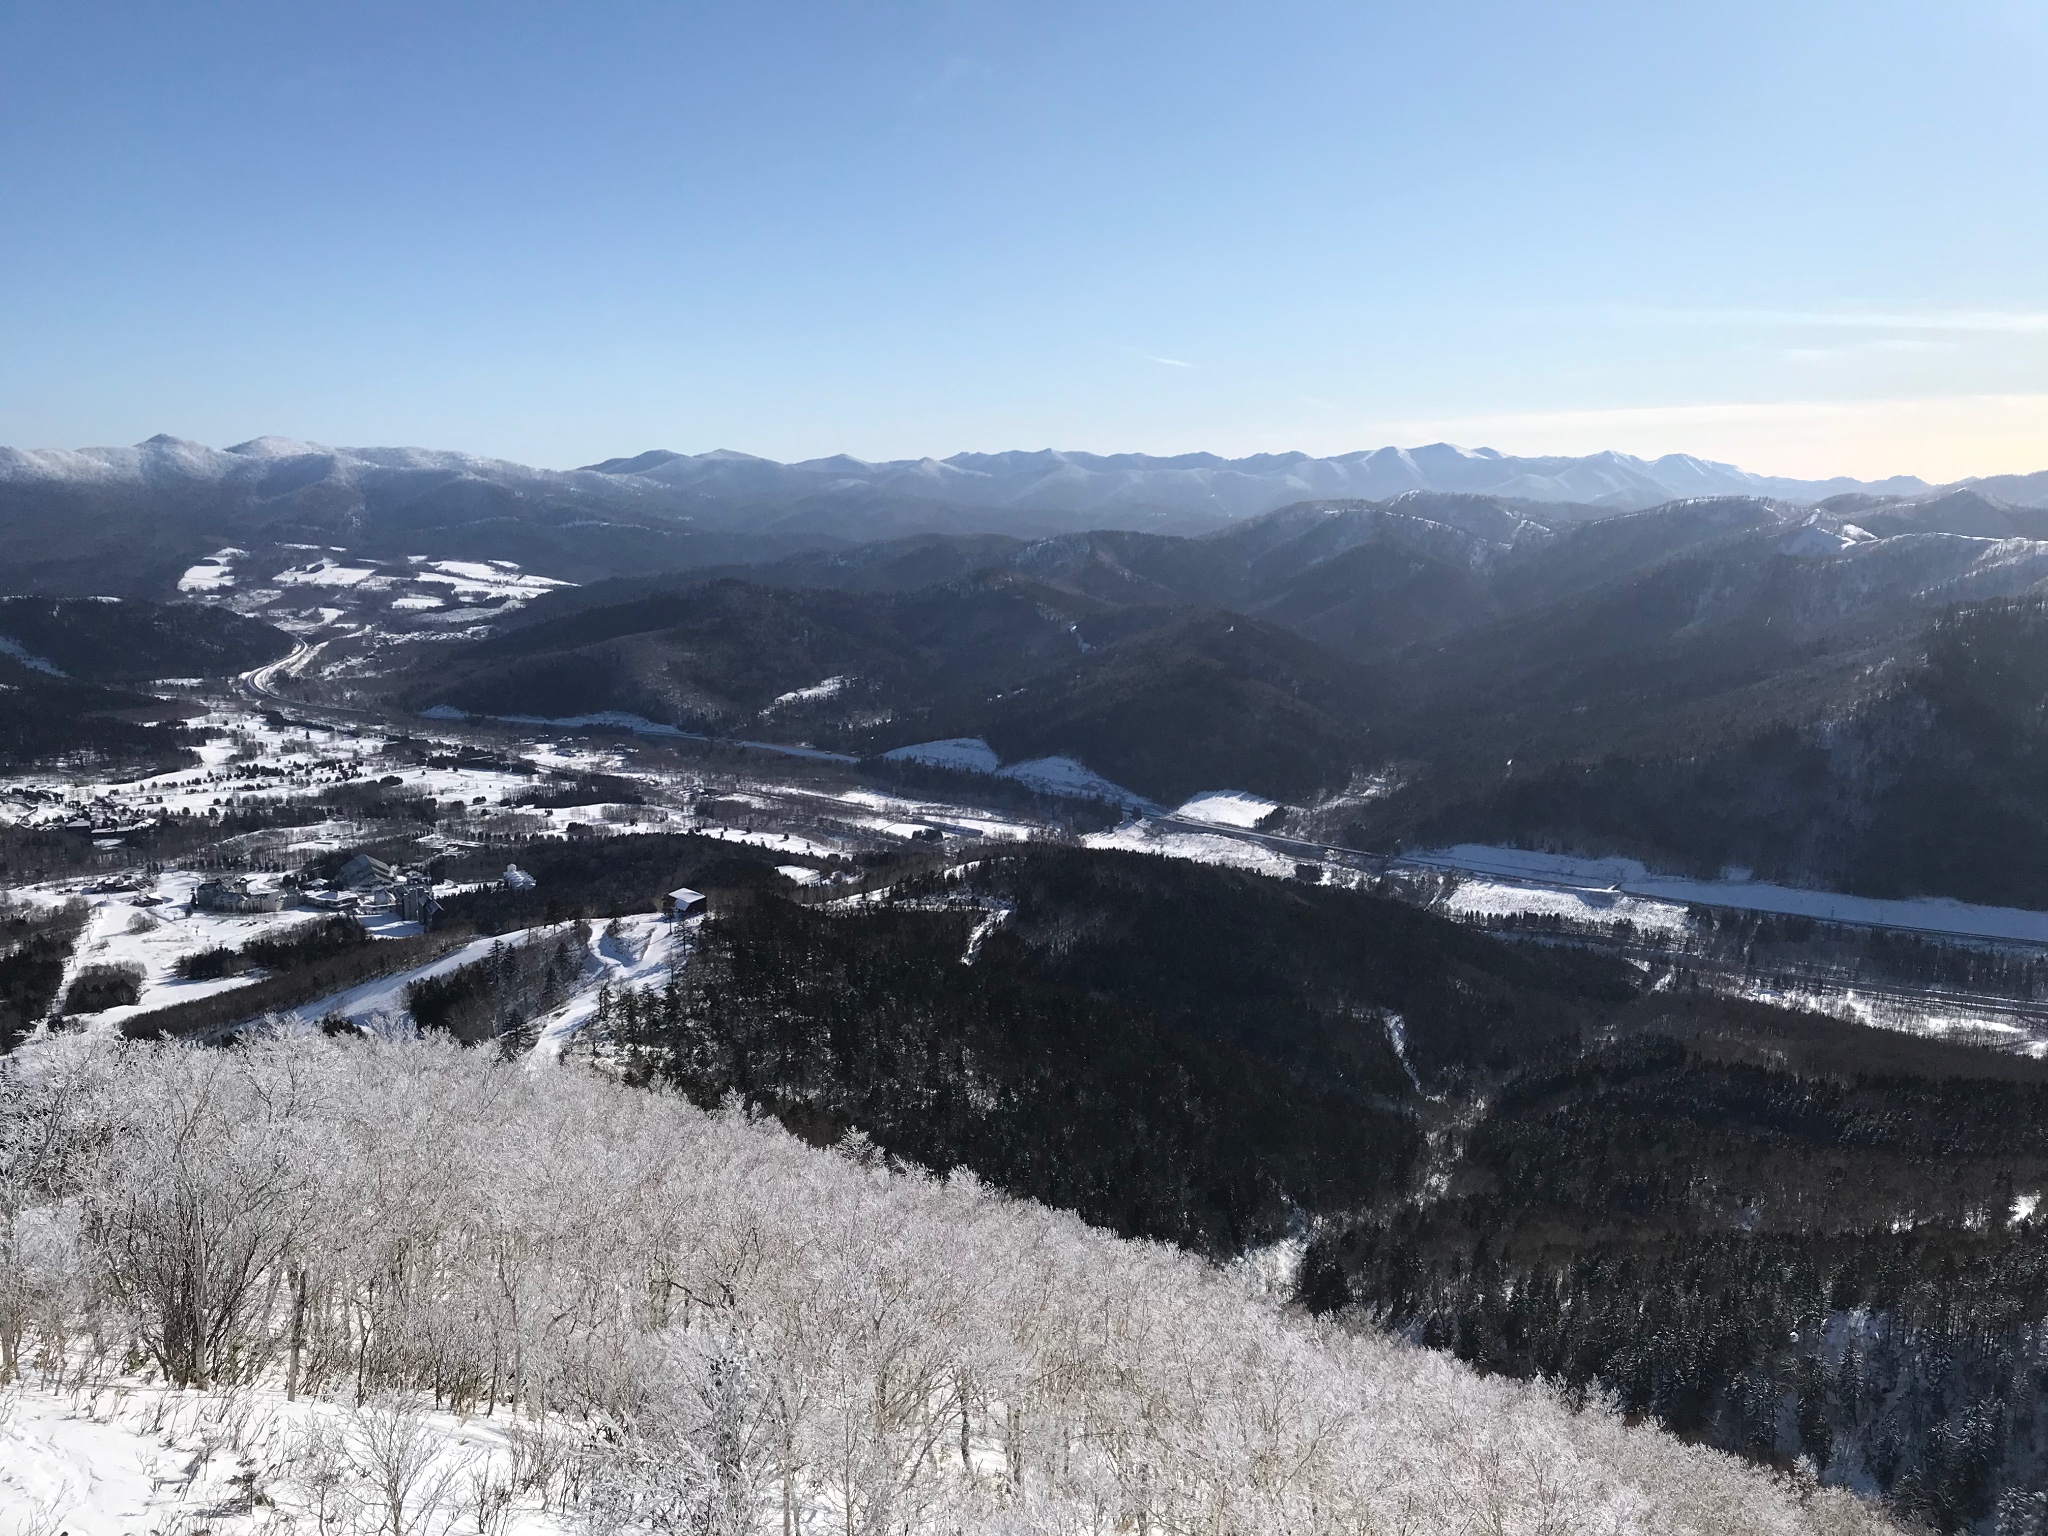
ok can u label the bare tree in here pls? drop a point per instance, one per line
(405, 1472)
(193, 1225)
(696, 1323)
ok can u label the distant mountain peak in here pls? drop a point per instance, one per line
(637, 464)
(269, 447)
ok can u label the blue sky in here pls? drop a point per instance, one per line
(1808, 237)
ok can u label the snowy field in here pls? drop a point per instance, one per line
(1929, 914)
(332, 585)
(1227, 808)
(970, 754)
(828, 688)
(1930, 1014)
(122, 931)
(469, 581)
(1199, 847)
(1071, 777)
(899, 811)
(216, 573)
(1062, 776)
(1475, 899)
(132, 1457)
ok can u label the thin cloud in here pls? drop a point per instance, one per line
(1168, 362)
(1914, 344)
(1718, 412)
(2005, 322)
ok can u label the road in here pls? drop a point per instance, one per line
(1358, 858)
(259, 687)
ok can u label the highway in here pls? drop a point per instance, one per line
(1358, 858)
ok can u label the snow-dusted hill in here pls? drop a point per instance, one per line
(427, 1293)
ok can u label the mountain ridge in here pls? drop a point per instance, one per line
(1041, 479)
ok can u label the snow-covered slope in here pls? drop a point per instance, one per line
(647, 1318)
(635, 951)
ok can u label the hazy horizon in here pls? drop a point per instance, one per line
(232, 445)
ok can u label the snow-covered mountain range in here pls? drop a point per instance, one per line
(1234, 488)
(1195, 485)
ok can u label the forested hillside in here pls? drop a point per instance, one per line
(691, 1322)
(1172, 1051)
(46, 720)
(1717, 681)
(1788, 1236)
(1932, 779)
(1770, 1233)
(66, 667)
(1163, 700)
(99, 641)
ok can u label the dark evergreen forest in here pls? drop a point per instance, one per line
(1786, 1236)
(1933, 780)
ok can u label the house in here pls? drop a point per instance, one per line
(235, 896)
(369, 887)
(683, 902)
(416, 902)
(362, 871)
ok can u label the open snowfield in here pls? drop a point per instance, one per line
(1071, 777)
(968, 753)
(1226, 808)
(152, 938)
(781, 842)
(828, 688)
(329, 587)
(1199, 847)
(1927, 914)
(903, 811)
(1931, 1014)
(132, 1458)
(471, 580)
(1477, 898)
(325, 573)
(1063, 776)
(216, 573)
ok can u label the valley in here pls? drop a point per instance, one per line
(1482, 914)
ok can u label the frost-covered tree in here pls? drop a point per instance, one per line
(701, 1324)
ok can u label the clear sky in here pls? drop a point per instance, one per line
(1805, 236)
